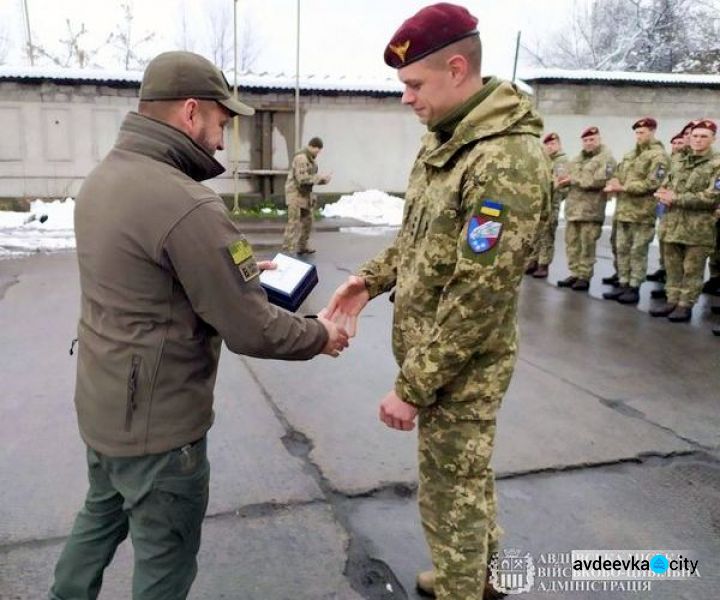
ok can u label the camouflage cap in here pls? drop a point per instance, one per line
(648, 122)
(589, 131)
(178, 75)
(429, 30)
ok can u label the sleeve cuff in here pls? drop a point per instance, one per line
(373, 284)
(409, 394)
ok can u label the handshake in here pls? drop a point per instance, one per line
(340, 315)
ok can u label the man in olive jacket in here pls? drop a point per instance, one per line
(474, 201)
(165, 276)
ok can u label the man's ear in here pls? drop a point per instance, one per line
(459, 67)
(190, 112)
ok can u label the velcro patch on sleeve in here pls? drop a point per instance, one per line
(240, 251)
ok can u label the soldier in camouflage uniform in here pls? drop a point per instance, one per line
(545, 247)
(691, 197)
(473, 205)
(639, 175)
(585, 208)
(299, 198)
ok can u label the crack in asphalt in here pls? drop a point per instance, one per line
(372, 578)
(7, 283)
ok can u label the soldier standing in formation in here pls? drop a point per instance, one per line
(545, 247)
(585, 208)
(299, 197)
(691, 195)
(474, 202)
(639, 175)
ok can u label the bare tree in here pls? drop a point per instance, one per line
(76, 52)
(220, 40)
(124, 40)
(184, 39)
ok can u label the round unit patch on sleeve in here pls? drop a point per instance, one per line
(484, 230)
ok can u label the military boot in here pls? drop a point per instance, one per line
(541, 272)
(681, 314)
(306, 251)
(567, 282)
(659, 294)
(712, 286)
(663, 310)
(716, 330)
(425, 583)
(531, 268)
(581, 285)
(658, 276)
(616, 293)
(631, 295)
(613, 280)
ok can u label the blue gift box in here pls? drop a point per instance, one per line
(291, 283)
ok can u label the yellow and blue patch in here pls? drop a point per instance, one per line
(484, 229)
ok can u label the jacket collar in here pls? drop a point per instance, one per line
(162, 142)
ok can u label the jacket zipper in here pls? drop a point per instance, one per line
(131, 389)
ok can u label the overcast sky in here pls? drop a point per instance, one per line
(337, 36)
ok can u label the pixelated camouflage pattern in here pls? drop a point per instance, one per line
(641, 172)
(590, 172)
(546, 237)
(690, 219)
(301, 179)
(580, 243)
(632, 244)
(298, 229)
(457, 501)
(455, 318)
(685, 267)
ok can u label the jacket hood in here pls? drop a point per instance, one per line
(163, 142)
(505, 110)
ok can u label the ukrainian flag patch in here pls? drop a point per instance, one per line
(491, 208)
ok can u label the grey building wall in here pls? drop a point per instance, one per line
(568, 108)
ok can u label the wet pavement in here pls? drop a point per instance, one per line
(609, 438)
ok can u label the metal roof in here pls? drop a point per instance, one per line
(624, 77)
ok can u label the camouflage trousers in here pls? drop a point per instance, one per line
(297, 231)
(457, 501)
(632, 243)
(715, 256)
(661, 234)
(685, 266)
(613, 244)
(546, 236)
(580, 241)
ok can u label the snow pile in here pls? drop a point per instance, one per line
(371, 206)
(23, 233)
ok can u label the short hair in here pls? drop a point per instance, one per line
(315, 142)
(469, 47)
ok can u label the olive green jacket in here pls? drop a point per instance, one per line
(590, 172)
(301, 179)
(641, 172)
(690, 219)
(165, 275)
(472, 208)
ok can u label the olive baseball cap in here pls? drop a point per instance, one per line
(178, 75)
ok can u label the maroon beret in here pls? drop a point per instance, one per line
(430, 30)
(705, 124)
(550, 137)
(677, 136)
(688, 128)
(648, 122)
(589, 131)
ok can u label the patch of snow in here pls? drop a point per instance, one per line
(370, 206)
(23, 233)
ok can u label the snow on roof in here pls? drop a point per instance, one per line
(259, 81)
(532, 75)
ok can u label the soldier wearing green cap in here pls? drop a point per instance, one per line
(165, 276)
(472, 208)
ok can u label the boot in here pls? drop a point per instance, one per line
(541, 272)
(616, 293)
(581, 285)
(663, 310)
(658, 276)
(630, 296)
(681, 314)
(712, 286)
(715, 310)
(425, 583)
(659, 294)
(306, 251)
(531, 268)
(716, 331)
(613, 280)
(567, 282)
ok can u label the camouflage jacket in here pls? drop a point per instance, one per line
(301, 179)
(560, 168)
(590, 172)
(472, 207)
(696, 183)
(641, 172)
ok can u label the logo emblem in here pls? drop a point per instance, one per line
(512, 573)
(400, 50)
(483, 234)
(661, 172)
(717, 184)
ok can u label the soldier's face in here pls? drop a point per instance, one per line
(314, 150)
(701, 139)
(428, 91)
(591, 142)
(552, 147)
(643, 135)
(210, 127)
(677, 145)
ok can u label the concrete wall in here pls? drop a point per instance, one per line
(570, 107)
(52, 135)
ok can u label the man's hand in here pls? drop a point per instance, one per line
(346, 303)
(397, 414)
(325, 178)
(266, 265)
(665, 196)
(337, 338)
(614, 185)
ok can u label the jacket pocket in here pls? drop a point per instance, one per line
(132, 389)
